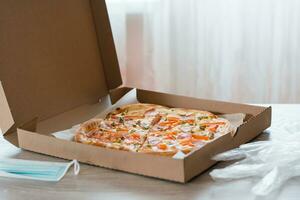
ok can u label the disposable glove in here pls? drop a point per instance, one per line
(273, 161)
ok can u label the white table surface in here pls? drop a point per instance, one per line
(99, 183)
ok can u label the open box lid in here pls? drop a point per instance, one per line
(55, 55)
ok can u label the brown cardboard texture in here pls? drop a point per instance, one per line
(58, 66)
(6, 119)
(52, 59)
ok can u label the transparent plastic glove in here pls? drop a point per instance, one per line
(274, 161)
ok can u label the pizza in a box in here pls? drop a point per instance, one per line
(154, 129)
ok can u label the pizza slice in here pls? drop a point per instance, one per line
(212, 128)
(160, 142)
(107, 133)
(100, 133)
(192, 121)
(140, 116)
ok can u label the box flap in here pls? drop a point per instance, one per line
(106, 44)
(6, 120)
(51, 57)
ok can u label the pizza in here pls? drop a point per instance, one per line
(154, 129)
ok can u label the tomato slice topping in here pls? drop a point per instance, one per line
(162, 146)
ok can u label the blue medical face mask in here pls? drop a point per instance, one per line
(35, 170)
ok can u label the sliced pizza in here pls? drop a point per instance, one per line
(155, 129)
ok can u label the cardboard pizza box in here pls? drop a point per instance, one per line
(59, 68)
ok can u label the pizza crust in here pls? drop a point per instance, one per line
(183, 111)
(137, 109)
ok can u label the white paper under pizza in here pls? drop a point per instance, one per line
(236, 119)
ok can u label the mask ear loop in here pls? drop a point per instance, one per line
(76, 166)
